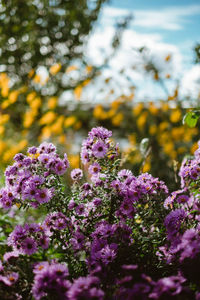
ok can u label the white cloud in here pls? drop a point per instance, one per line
(191, 82)
(128, 58)
(168, 18)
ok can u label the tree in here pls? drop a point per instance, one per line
(37, 33)
(197, 53)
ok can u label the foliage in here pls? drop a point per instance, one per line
(191, 118)
(44, 33)
(197, 53)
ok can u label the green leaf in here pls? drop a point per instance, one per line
(191, 118)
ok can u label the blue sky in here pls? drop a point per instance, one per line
(164, 27)
(185, 19)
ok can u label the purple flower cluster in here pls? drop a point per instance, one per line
(190, 169)
(173, 222)
(146, 288)
(56, 221)
(107, 238)
(50, 281)
(76, 174)
(135, 189)
(97, 145)
(179, 196)
(28, 239)
(27, 180)
(183, 221)
(106, 241)
(86, 288)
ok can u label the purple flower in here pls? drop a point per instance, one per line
(100, 133)
(32, 150)
(182, 199)
(46, 148)
(76, 174)
(173, 222)
(127, 209)
(7, 197)
(29, 246)
(36, 180)
(10, 278)
(30, 192)
(60, 167)
(44, 195)
(11, 256)
(169, 286)
(26, 239)
(107, 254)
(84, 156)
(44, 158)
(124, 174)
(19, 157)
(94, 169)
(99, 149)
(97, 201)
(86, 288)
(71, 204)
(80, 209)
(56, 221)
(190, 244)
(50, 280)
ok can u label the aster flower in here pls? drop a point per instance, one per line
(43, 195)
(97, 201)
(11, 256)
(29, 246)
(44, 158)
(127, 209)
(76, 174)
(80, 209)
(85, 288)
(44, 242)
(50, 280)
(10, 278)
(84, 156)
(94, 168)
(56, 221)
(19, 157)
(173, 222)
(124, 174)
(169, 286)
(190, 244)
(32, 150)
(99, 149)
(11, 170)
(38, 267)
(107, 254)
(100, 132)
(60, 167)
(46, 148)
(30, 192)
(71, 204)
(36, 180)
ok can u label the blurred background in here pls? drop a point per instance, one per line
(131, 66)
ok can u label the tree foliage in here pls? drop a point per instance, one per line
(43, 32)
